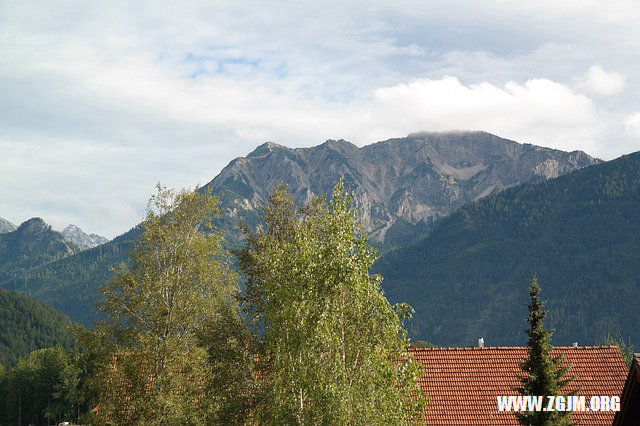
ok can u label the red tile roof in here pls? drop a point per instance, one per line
(463, 383)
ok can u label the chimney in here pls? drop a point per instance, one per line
(574, 344)
(481, 342)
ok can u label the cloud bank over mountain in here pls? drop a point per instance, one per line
(102, 100)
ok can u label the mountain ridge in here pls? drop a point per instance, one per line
(580, 233)
(31, 245)
(411, 180)
(449, 169)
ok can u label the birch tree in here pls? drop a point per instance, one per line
(154, 361)
(332, 350)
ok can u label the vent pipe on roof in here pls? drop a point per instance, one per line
(481, 342)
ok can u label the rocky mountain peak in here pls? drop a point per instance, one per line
(338, 145)
(267, 148)
(77, 236)
(33, 226)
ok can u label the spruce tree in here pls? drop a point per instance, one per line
(544, 374)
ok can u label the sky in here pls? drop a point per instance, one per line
(101, 100)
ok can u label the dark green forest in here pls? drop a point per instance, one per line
(27, 325)
(580, 233)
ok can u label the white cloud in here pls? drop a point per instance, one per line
(632, 125)
(538, 111)
(100, 100)
(601, 82)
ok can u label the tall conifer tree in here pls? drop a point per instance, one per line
(545, 374)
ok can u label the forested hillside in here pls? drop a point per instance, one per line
(580, 233)
(27, 325)
(71, 284)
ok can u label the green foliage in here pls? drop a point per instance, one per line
(544, 374)
(331, 348)
(626, 347)
(43, 388)
(233, 384)
(580, 232)
(71, 284)
(151, 349)
(27, 325)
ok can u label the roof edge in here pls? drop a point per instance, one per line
(505, 348)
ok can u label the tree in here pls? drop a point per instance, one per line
(38, 390)
(544, 374)
(3, 393)
(331, 349)
(153, 362)
(626, 348)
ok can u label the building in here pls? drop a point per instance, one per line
(463, 384)
(630, 402)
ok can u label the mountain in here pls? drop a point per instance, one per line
(31, 245)
(6, 226)
(27, 325)
(71, 284)
(75, 235)
(401, 185)
(580, 233)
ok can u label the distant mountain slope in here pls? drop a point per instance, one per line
(71, 284)
(400, 184)
(579, 232)
(27, 325)
(32, 244)
(84, 241)
(6, 226)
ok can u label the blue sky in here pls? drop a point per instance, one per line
(100, 100)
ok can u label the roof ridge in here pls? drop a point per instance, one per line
(485, 348)
(469, 348)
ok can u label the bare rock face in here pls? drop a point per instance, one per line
(84, 241)
(398, 184)
(6, 226)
